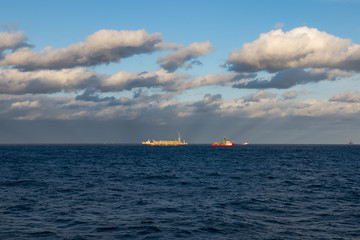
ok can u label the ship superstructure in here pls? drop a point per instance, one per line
(225, 143)
(177, 142)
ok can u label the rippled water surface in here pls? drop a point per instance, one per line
(192, 192)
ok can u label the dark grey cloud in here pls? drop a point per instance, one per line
(192, 63)
(130, 80)
(137, 93)
(214, 79)
(292, 77)
(14, 81)
(209, 103)
(183, 55)
(93, 95)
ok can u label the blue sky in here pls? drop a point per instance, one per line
(256, 71)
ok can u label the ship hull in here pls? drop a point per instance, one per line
(222, 145)
(160, 144)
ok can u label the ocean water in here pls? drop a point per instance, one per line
(191, 192)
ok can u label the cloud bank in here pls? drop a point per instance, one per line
(159, 97)
(163, 108)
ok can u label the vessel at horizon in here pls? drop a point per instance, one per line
(177, 142)
(225, 143)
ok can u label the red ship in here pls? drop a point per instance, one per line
(225, 143)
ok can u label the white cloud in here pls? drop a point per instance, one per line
(12, 40)
(258, 96)
(210, 79)
(26, 104)
(104, 46)
(178, 59)
(290, 95)
(127, 81)
(13, 81)
(216, 79)
(349, 96)
(301, 47)
(271, 108)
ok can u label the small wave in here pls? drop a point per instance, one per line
(107, 229)
(24, 183)
(66, 190)
(146, 229)
(76, 223)
(168, 210)
(214, 175)
(141, 202)
(79, 238)
(209, 229)
(237, 177)
(116, 189)
(63, 220)
(315, 186)
(161, 177)
(43, 234)
(289, 183)
(147, 222)
(183, 233)
(20, 207)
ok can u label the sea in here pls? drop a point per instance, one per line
(190, 192)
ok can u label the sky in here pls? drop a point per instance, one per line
(263, 72)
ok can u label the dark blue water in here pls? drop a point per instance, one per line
(192, 192)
